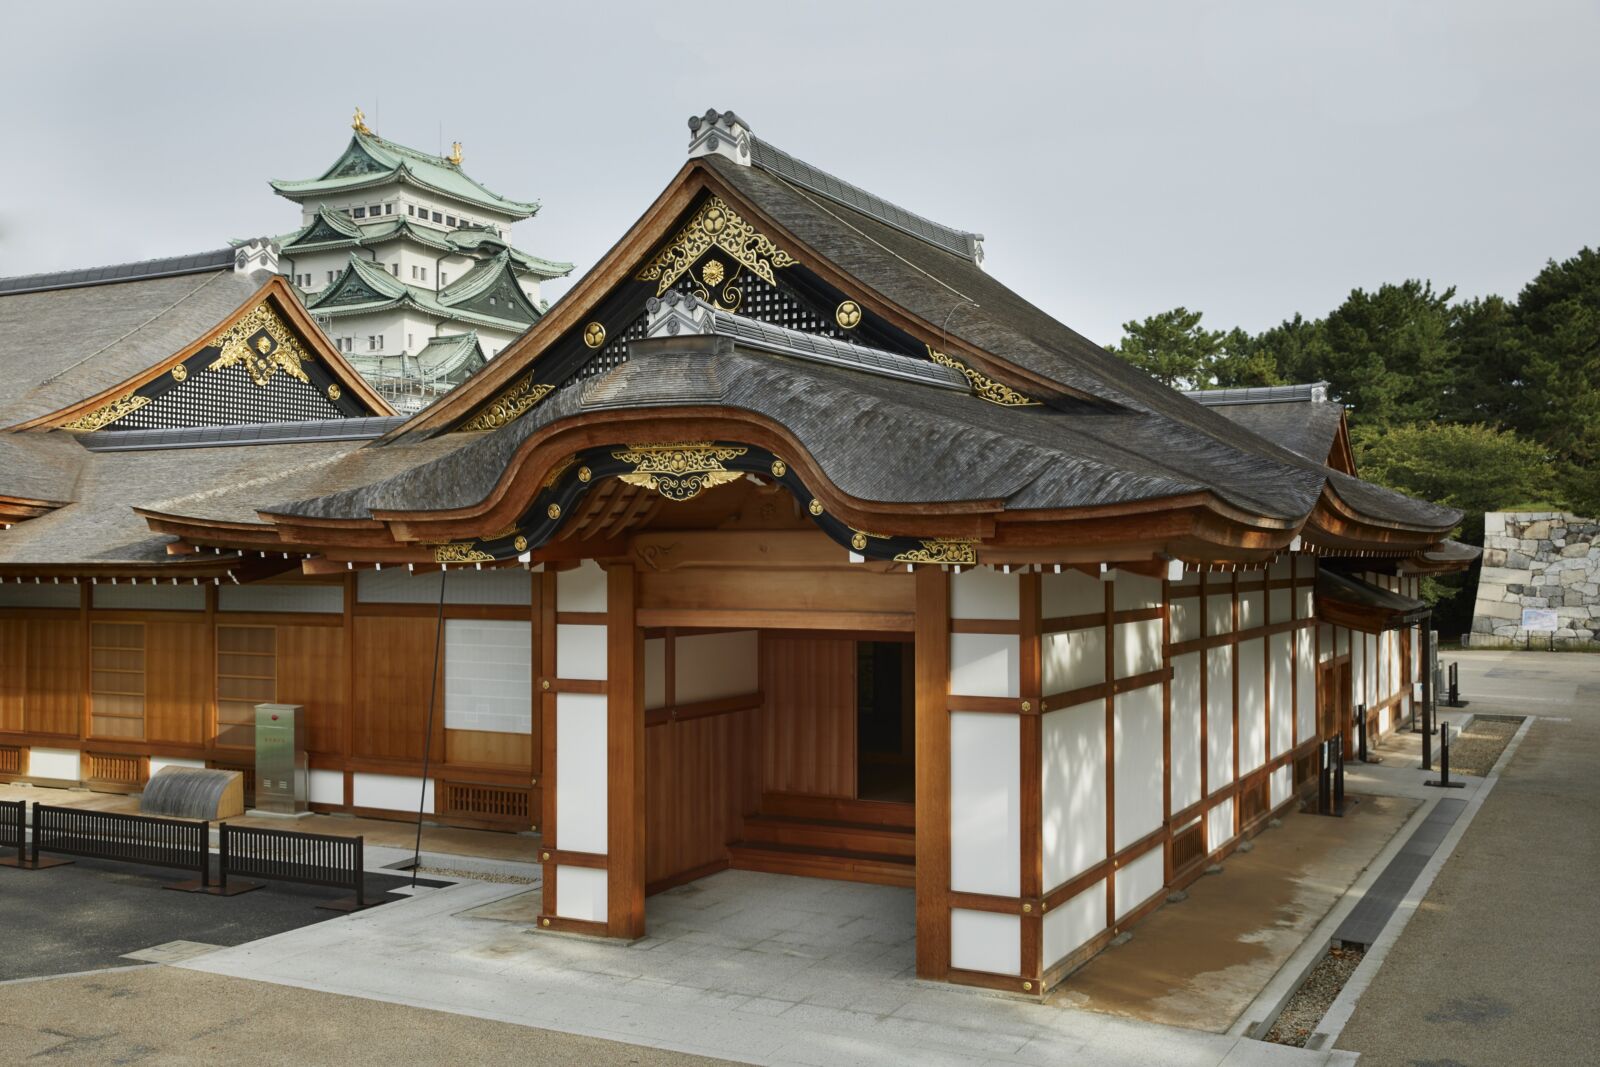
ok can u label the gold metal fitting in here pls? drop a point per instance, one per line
(779, 468)
(584, 474)
(520, 544)
(334, 391)
(180, 372)
(594, 335)
(1027, 909)
(848, 315)
(815, 507)
(544, 683)
(554, 511)
(1027, 987)
(544, 922)
(1027, 705)
(544, 856)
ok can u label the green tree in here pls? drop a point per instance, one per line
(1472, 467)
(1389, 354)
(1243, 361)
(1172, 348)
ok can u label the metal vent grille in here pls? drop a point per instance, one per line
(227, 397)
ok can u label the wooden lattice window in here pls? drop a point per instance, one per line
(507, 804)
(1188, 845)
(115, 771)
(10, 760)
(116, 680)
(247, 675)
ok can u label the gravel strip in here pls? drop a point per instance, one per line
(1475, 751)
(478, 876)
(1315, 995)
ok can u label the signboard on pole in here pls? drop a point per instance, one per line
(1540, 620)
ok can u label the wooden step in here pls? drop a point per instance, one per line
(822, 863)
(839, 809)
(830, 835)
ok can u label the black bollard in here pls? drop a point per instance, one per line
(1324, 781)
(1455, 685)
(1444, 781)
(1361, 733)
(1338, 776)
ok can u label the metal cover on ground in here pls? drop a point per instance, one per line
(1367, 920)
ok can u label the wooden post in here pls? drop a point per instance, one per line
(1031, 778)
(932, 653)
(624, 757)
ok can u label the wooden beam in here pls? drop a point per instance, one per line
(625, 757)
(932, 654)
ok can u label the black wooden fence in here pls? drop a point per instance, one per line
(109, 835)
(292, 856)
(13, 818)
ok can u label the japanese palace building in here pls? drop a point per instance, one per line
(408, 265)
(789, 540)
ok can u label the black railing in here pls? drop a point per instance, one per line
(13, 820)
(292, 856)
(108, 835)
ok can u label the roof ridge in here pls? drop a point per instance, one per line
(157, 267)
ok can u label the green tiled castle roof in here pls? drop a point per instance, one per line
(371, 160)
(335, 229)
(365, 287)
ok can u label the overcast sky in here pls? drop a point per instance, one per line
(1246, 159)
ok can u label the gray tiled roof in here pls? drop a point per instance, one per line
(193, 263)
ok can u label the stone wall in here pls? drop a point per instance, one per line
(1538, 559)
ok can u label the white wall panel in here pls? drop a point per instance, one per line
(1139, 761)
(1219, 717)
(1069, 927)
(580, 651)
(1305, 603)
(985, 665)
(984, 593)
(148, 597)
(488, 675)
(390, 792)
(1133, 592)
(1219, 825)
(581, 893)
(396, 585)
(710, 666)
(1186, 712)
(1305, 566)
(43, 595)
(161, 763)
(985, 803)
(1282, 604)
(985, 941)
(1305, 687)
(1073, 805)
(1072, 593)
(1184, 613)
(1281, 785)
(322, 786)
(323, 599)
(62, 763)
(655, 672)
(583, 588)
(1140, 880)
(1219, 614)
(581, 776)
(1252, 705)
(1252, 610)
(1282, 567)
(1138, 647)
(1072, 659)
(1281, 650)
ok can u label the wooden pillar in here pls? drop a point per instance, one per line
(932, 655)
(1030, 621)
(624, 756)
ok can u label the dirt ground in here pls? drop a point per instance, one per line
(170, 1016)
(1200, 963)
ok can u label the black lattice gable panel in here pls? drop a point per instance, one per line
(227, 397)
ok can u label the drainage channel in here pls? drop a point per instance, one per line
(1305, 1007)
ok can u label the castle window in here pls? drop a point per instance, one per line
(438, 216)
(424, 273)
(450, 220)
(330, 276)
(443, 278)
(360, 212)
(395, 267)
(410, 210)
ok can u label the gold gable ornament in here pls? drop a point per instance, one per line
(106, 414)
(509, 405)
(716, 225)
(261, 343)
(985, 387)
(358, 123)
(679, 472)
(460, 552)
(944, 550)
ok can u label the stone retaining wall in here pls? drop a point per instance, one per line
(1538, 559)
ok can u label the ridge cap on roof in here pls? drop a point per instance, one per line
(134, 271)
(1302, 392)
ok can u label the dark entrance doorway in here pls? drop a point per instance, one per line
(885, 721)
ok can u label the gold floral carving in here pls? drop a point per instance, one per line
(460, 552)
(561, 467)
(679, 471)
(509, 405)
(106, 414)
(941, 550)
(275, 348)
(985, 387)
(715, 225)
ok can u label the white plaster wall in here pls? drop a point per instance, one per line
(389, 792)
(1305, 603)
(1219, 613)
(321, 599)
(581, 776)
(1138, 648)
(985, 665)
(322, 786)
(161, 763)
(43, 595)
(655, 672)
(1282, 567)
(1219, 717)
(1305, 566)
(1305, 686)
(1219, 825)
(1252, 705)
(583, 588)
(581, 892)
(710, 666)
(1282, 604)
(1073, 793)
(1185, 616)
(1252, 610)
(984, 593)
(985, 803)
(396, 585)
(1140, 880)
(1138, 764)
(488, 675)
(1133, 592)
(985, 941)
(580, 651)
(1281, 650)
(1280, 784)
(149, 597)
(61, 763)
(1069, 927)
(1072, 659)
(1186, 713)
(1072, 593)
